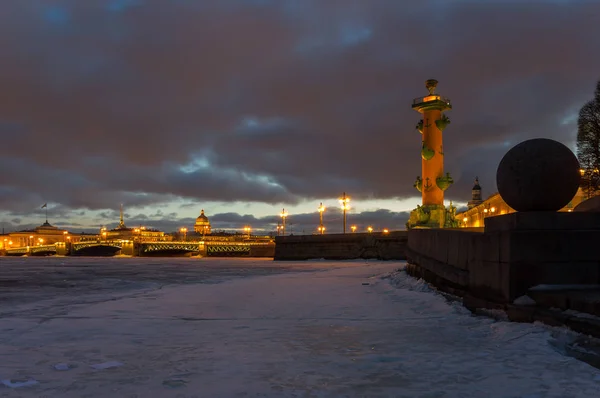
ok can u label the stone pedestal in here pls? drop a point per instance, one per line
(432, 216)
(520, 250)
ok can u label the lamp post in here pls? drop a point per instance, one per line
(283, 217)
(65, 236)
(353, 228)
(247, 229)
(321, 210)
(30, 240)
(370, 229)
(345, 206)
(465, 219)
(184, 232)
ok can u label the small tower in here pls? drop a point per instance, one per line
(433, 181)
(475, 195)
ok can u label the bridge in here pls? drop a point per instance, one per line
(130, 248)
(44, 250)
(169, 248)
(95, 248)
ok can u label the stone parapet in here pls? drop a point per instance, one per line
(383, 246)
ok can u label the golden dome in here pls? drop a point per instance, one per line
(201, 218)
(202, 224)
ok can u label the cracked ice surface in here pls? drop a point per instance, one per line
(333, 330)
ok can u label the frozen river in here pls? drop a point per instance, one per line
(257, 328)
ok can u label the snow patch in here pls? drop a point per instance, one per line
(524, 300)
(106, 365)
(19, 383)
(539, 288)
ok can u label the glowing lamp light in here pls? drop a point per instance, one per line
(465, 219)
(385, 231)
(353, 228)
(370, 229)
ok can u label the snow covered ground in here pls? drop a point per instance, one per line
(343, 329)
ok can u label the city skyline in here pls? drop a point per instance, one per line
(246, 107)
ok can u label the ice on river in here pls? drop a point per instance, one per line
(350, 330)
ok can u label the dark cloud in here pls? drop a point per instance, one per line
(146, 102)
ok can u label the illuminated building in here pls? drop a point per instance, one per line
(141, 234)
(45, 234)
(479, 210)
(202, 225)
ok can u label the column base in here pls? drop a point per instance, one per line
(433, 216)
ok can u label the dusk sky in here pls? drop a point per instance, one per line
(243, 107)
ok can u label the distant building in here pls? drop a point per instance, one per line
(202, 225)
(45, 234)
(475, 195)
(478, 210)
(143, 234)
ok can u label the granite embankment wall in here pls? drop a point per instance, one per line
(551, 257)
(514, 253)
(382, 246)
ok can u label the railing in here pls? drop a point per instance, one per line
(83, 245)
(430, 98)
(40, 249)
(161, 246)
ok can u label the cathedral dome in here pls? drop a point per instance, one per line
(202, 225)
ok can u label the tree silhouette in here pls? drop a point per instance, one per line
(588, 144)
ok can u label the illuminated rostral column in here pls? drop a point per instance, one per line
(433, 182)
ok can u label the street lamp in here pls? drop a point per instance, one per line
(283, 217)
(370, 229)
(321, 210)
(353, 228)
(65, 236)
(31, 240)
(345, 206)
(385, 230)
(184, 232)
(247, 230)
(465, 219)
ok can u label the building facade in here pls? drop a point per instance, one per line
(45, 234)
(479, 210)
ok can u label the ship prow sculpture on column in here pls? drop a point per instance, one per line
(433, 182)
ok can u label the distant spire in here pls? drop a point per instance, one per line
(121, 221)
(476, 192)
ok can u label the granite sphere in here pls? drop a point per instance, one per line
(538, 175)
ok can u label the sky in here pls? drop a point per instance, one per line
(245, 107)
